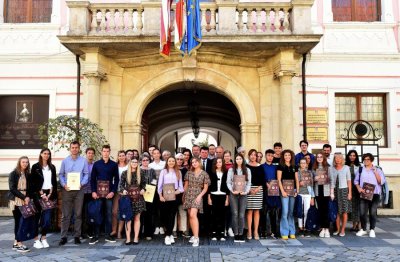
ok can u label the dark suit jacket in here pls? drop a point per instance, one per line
(209, 163)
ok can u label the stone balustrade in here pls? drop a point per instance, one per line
(217, 18)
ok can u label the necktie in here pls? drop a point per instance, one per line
(204, 164)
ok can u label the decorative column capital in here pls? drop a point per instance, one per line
(95, 74)
(250, 128)
(131, 127)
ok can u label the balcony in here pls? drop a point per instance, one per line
(229, 27)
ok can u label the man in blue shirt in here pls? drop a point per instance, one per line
(72, 199)
(105, 170)
(272, 202)
(304, 151)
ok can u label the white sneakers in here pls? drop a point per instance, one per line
(167, 241)
(361, 233)
(372, 233)
(45, 244)
(171, 238)
(324, 233)
(327, 234)
(196, 242)
(38, 244)
(162, 231)
(230, 232)
(157, 231)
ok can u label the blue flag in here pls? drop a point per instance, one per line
(193, 28)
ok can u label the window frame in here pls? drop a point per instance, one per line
(28, 15)
(354, 15)
(358, 97)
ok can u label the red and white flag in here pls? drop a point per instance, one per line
(180, 23)
(165, 32)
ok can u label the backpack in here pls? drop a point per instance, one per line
(384, 196)
(332, 210)
(312, 222)
(125, 209)
(298, 207)
(94, 212)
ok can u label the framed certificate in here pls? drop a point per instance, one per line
(149, 193)
(273, 190)
(239, 183)
(103, 188)
(169, 192)
(74, 180)
(369, 191)
(306, 178)
(322, 177)
(288, 186)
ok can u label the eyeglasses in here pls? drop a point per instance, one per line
(368, 159)
(145, 160)
(179, 159)
(134, 162)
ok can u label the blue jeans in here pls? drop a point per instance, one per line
(287, 220)
(107, 211)
(238, 207)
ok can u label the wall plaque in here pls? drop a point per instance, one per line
(317, 116)
(317, 134)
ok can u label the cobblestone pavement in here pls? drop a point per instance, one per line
(385, 247)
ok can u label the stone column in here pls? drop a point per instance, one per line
(227, 16)
(92, 94)
(131, 135)
(250, 136)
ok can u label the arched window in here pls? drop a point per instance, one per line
(356, 10)
(27, 11)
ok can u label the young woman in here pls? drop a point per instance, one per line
(322, 191)
(133, 177)
(228, 217)
(306, 192)
(151, 179)
(187, 155)
(170, 179)
(18, 182)
(372, 175)
(341, 190)
(181, 221)
(197, 182)
(287, 171)
(118, 225)
(255, 196)
(44, 186)
(353, 162)
(218, 198)
(239, 183)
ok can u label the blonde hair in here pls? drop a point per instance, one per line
(130, 171)
(338, 155)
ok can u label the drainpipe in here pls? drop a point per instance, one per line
(78, 94)
(303, 87)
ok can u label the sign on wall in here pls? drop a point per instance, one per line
(20, 120)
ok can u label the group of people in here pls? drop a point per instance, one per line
(203, 191)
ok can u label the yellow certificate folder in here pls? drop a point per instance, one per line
(149, 193)
(74, 180)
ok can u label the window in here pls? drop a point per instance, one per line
(356, 10)
(368, 107)
(27, 11)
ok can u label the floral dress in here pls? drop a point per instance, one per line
(195, 186)
(137, 206)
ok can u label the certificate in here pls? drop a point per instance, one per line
(288, 186)
(273, 189)
(149, 193)
(74, 180)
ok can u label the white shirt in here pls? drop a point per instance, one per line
(157, 166)
(219, 182)
(122, 169)
(47, 178)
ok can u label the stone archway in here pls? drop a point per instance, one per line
(250, 127)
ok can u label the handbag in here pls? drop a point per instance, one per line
(28, 210)
(332, 210)
(298, 207)
(94, 212)
(125, 209)
(312, 222)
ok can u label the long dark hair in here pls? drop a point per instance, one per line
(356, 161)
(214, 165)
(282, 162)
(324, 161)
(243, 167)
(41, 158)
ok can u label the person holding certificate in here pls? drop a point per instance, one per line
(104, 183)
(288, 184)
(73, 175)
(238, 182)
(151, 182)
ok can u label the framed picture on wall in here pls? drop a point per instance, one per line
(24, 111)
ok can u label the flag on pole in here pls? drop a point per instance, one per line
(180, 23)
(193, 28)
(165, 32)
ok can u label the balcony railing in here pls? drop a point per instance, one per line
(217, 18)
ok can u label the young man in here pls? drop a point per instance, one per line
(128, 154)
(87, 230)
(72, 199)
(211, 151)
(272, 202)
(304, 151)
(277, 153)
(105, 170)
(206, 162)
(327, 149)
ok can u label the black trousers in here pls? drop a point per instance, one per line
(17, 218)
(322, 202)
(148, 220)
(370, 207)
(218, 210)
(274, 215)
(87, 228)
(169, 209)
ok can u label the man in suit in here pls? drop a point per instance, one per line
(205, 161)
(204, 218)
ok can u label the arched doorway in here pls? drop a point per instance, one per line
(173, 116)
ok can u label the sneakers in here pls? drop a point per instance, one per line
(171, 238)
(149, 238)
(327, 234)
(222, 239)
(162, 231)
(157, 231)
(214, 239)
(285, 238)
(292, 236)
(322, 233)
(241, 238)
(372, 233)
(230, 232)
(110, 239)
(196, 242)
(236, 239)
(361, 233)
(38, 244)
(22, 249)
(191, 239)
(45, 243)
(175, 234)
(15, 247)
(93, 240)
(167, 241)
